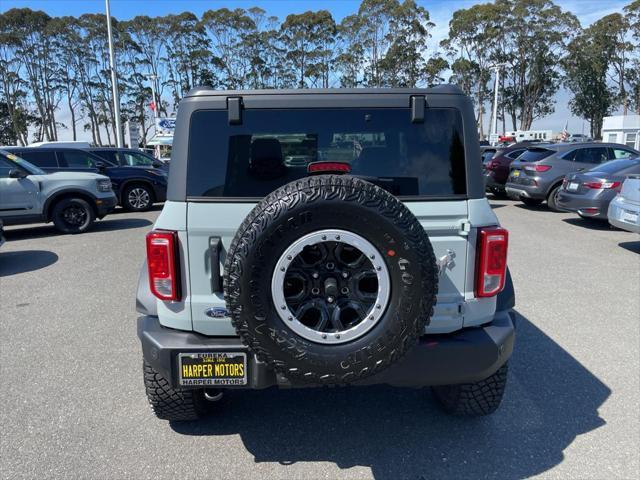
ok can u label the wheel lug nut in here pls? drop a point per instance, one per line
(345, 274)
(315, 275)
(315, 291)
(344, 290)
(330, 299)
(330, 266)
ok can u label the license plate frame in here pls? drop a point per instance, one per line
(629, 217)
(212, 369)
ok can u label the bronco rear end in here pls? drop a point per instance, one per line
(331, 237)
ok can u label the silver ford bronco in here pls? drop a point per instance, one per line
(325, 237)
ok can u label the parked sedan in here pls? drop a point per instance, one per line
(538, 173)
(589, 193)
(624, 209)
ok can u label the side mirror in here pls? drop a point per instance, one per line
(100, 165)
(158, 164)
(17, 173)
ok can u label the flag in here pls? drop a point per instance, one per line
(152, 105)
(565, 131)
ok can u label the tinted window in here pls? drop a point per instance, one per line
(592, 155)
(40, 159)
(5, 167)
(107, 155)
(77, 159)
(274, 147)
(134, 159)
(514, 154)
(615, 166)
(534, 154)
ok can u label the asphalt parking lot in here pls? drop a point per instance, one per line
(72, 402)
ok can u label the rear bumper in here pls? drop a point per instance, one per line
(618, 214)
(583, 205)
(516, 191)
(467, 355)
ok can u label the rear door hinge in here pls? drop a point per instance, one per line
(465, 228)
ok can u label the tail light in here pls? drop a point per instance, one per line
(491, 261)
(603, 185)
(538, 168)
(162, 261)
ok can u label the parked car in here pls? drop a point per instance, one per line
(128, 157)
(537, 174)
(496, 169)
(2, 239)
(624, 209)
(261, 274)
(589, 193)
(137, 188)
(71, 200)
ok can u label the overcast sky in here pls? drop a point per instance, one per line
(587, 12)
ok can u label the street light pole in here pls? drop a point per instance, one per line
(494, 126)
(114, 80)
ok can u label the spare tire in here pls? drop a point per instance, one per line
(330, 279)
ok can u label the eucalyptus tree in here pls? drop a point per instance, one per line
(308, 39)
(473, 35)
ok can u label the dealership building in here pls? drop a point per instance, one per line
(622, 129)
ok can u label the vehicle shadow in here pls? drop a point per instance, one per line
(631, 246)
(589, 223)
(400, 433)
(12, 263)
(49, 230)
(154, 208)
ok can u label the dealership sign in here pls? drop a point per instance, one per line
(165, 126)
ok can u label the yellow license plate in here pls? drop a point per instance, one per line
(213, 368)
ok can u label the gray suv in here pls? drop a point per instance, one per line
(321, 238)
(71, 200)
(537, 174)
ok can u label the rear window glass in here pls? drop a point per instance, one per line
(534, 154)
(615, 166)
(274, 147)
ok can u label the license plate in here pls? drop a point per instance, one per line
(630, 217)
(573, 186)
(213, 368)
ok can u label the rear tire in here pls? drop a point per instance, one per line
(531, 202)
(552, 199)
(473, 399)
(173, 404)
(73, 215)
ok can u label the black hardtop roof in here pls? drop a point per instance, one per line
(444, 89)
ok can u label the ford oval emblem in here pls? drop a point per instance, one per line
(216, 312)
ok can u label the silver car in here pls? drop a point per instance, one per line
(589, 193)
(537, 175)
(624, 209)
